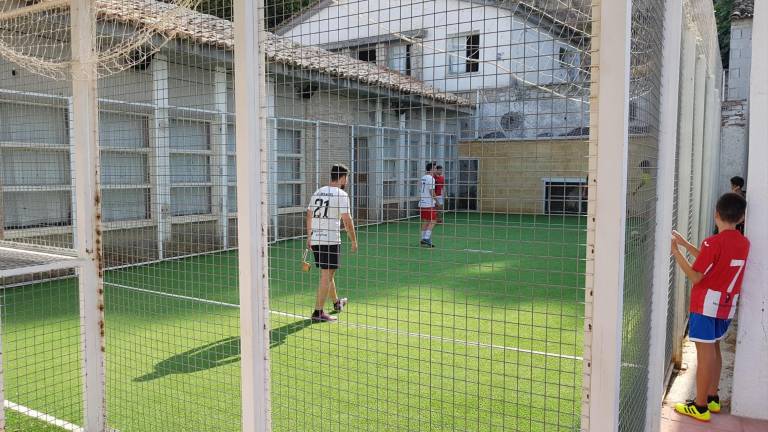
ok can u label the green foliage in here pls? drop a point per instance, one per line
(723, 10)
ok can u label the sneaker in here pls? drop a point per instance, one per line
(322, 317)
(714, 406)
(689, 409)
(339, 305)
(427, 243)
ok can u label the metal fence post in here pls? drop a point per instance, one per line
(85, 126)
(665, 208)
(609, 146)
(252, 214)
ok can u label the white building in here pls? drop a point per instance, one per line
(168, 141)
(523, 65)
(735, 130)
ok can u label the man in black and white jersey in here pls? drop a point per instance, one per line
(328, 208)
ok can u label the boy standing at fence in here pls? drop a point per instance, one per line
(716, 275)
(427, 204)
(328, 208)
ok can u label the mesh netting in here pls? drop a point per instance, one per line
(35, 34)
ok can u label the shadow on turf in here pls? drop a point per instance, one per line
(215, 354)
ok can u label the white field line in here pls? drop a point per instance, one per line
(363, 326)
(478, 251)
(29, 412)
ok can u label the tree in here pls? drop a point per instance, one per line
(723, 11)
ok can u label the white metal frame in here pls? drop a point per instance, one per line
(253, 207)
(665, 205)
(609, 146)
(88, 226)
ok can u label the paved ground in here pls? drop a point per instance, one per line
(683, 387)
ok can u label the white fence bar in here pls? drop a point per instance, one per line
(88, 199)
(219, 160)
(607, 213)
(160, 167)
(685, 165)
(699, 111)
(750, 376)
(665, 206)
(252, 214)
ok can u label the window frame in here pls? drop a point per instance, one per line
(300, 180)
(459, 59)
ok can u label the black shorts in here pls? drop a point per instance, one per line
(327, 257)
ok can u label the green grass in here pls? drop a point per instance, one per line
(432, 340)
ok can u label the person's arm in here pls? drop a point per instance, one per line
(685, 266)
(349, 226)
(693, 250)
(309, 229)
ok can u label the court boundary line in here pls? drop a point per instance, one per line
(362, 326)
(46, 418)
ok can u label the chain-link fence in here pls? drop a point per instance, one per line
(400, 234)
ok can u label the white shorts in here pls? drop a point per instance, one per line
(441, 201)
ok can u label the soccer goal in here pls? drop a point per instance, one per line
(348, 215)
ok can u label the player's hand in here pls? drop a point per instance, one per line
(679, 237)
(354, 247)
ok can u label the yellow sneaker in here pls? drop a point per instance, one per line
(714, 407)
(689, 409)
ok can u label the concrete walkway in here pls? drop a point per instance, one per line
(684, 386)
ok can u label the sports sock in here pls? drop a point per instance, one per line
(702, 409)
(715, 398)
(427, 234)
(317, 312)
(424, 235)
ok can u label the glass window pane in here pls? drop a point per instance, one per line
(125, 204)
(35, 167)
(189, 135)
(124, 168)
(190, 201)
(231, 169)
(36, 209)
(288, 195)
(232, 199)
(190, 168)
(288, 169)
(288, 141)
(33, 124)
(118, 130)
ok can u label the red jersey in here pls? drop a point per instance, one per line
(439, 185)
(721, 259)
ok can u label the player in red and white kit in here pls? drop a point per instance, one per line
(439, 187)
(427, 203)
(716, 274)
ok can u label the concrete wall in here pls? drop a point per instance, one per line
(740, 59)
(734, 143)
(511, 173)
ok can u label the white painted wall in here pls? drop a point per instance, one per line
(750, 377)
(740, 59)
(510, 47)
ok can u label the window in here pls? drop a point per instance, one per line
(367, 54)
(190, 166)
(464, 54)
(399, 58)
(569, 60)
(565, 196)
(633, 111)
(289, 168)
(391, 144)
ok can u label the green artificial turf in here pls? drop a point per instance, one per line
(451, 338)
